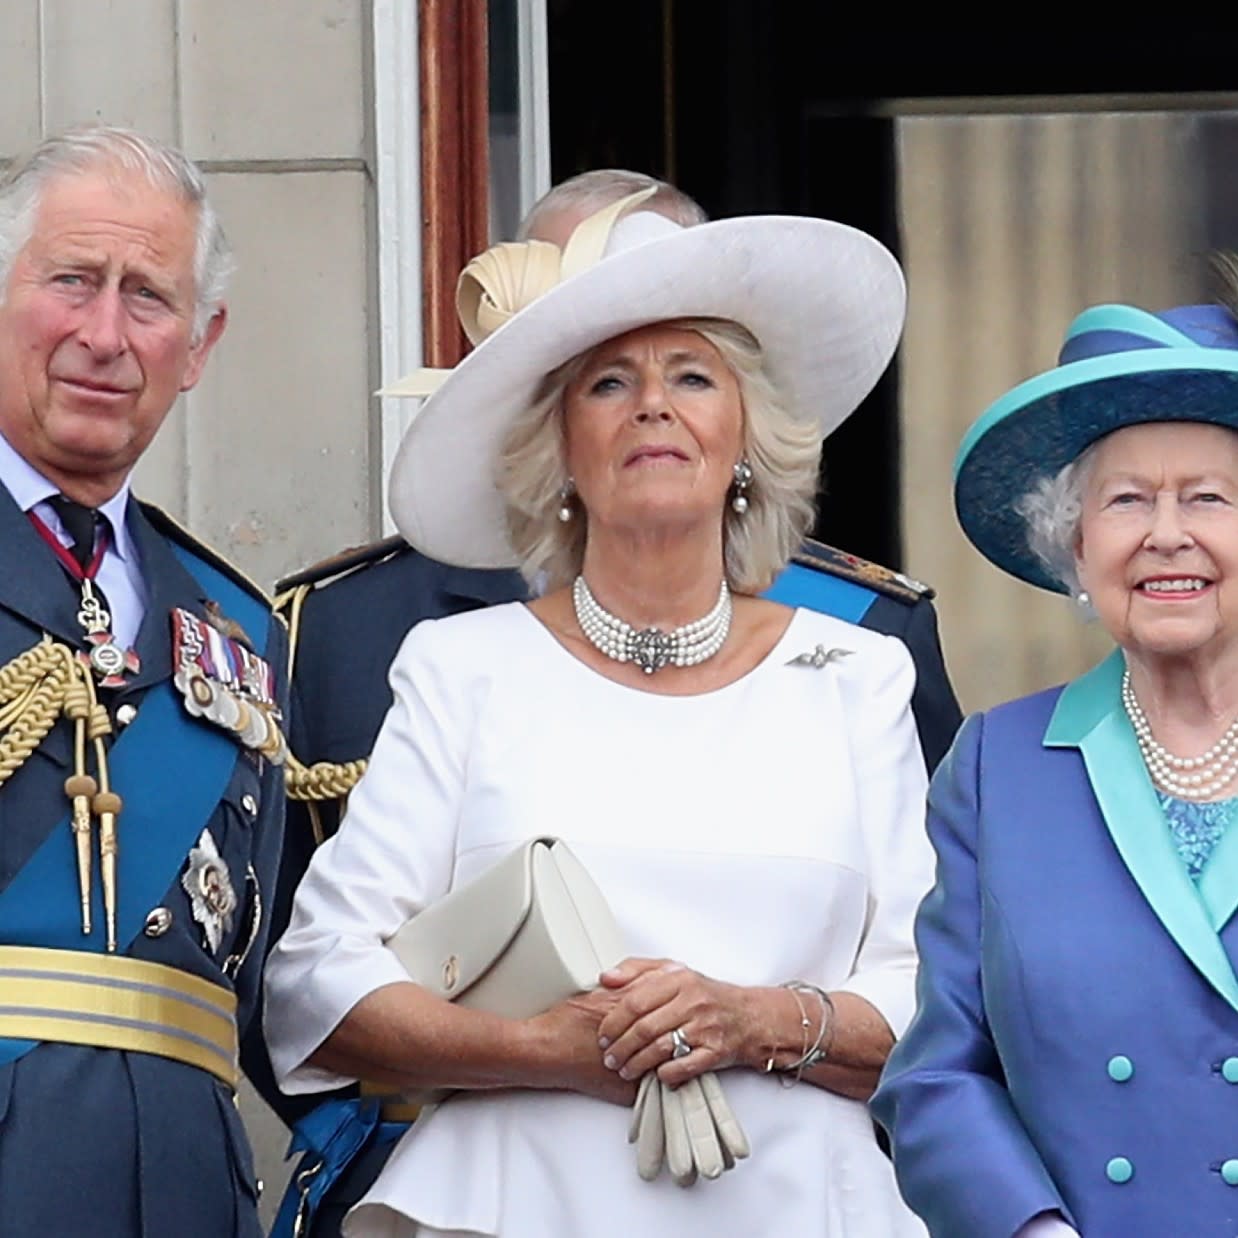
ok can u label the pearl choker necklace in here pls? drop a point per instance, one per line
(1191, 778)
(651, 648)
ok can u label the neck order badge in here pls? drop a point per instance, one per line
(107, 659)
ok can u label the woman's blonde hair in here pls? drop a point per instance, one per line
(783, 450)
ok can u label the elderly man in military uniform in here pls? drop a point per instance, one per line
(141, 688)
(348, 616)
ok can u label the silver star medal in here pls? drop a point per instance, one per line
(820, 657)
(209, 885)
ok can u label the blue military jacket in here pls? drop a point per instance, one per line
(1076, 1041)
(102, 1141)
(828, 580)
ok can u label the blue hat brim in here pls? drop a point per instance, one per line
(1040, 426)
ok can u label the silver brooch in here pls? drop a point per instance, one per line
(820, 657)
(211, 896)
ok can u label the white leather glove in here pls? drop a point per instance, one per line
(691, 1129)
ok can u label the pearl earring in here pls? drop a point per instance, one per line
(1083, 599)
(743, 479)
(566, 492)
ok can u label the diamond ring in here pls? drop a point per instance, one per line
(679, 1044)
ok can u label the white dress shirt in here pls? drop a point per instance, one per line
(120, 572)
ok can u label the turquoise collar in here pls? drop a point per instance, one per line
(1089, 716)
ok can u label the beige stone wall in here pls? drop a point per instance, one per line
(1011, 226)
(272, 458)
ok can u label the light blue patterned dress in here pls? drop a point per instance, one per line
(1196, 828)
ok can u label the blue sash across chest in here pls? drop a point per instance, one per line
(171, 770)
(798, 585)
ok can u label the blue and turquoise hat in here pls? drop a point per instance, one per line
(1120, 366)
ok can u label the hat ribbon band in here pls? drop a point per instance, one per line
(510, 276)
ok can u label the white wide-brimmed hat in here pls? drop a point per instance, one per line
(825, 302)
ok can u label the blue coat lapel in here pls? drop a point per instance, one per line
(1089, 716)
(46, 599)
(169, 585)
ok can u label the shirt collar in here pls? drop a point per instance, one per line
(30, 488)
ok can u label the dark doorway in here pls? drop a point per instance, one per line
(752, 106)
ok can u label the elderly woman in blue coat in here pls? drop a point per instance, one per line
(1073, 1064)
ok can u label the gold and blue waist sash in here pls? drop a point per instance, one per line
(113, 1002)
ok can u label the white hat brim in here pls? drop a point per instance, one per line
(824, 300)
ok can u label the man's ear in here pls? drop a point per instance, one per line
(199, 352)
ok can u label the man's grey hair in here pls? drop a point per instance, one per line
(1052, 510)
(101, 148)
(599, 188)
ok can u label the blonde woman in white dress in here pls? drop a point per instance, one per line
(640, 430)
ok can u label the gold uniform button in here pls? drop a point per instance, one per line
(125, 714)
(249, 803)
(158, 922)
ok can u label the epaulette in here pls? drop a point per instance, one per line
(324, 780)
(172, 528)
(291, 592)
(823, 558)
(342, 563)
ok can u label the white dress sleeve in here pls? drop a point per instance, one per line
(1047, 1225)
(891, 789)
(393, 855)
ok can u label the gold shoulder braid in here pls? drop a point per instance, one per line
(324, 780)
(36, 688)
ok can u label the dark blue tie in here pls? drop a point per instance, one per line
(81, 523)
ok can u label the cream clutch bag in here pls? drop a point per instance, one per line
(530, 932)
(520, 937)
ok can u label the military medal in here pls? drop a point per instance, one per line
(212, 897)
(226, 683)
(108, 660)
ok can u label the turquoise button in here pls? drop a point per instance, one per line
(1120, 1170)
(1121, 1068)
(1229, 1070)
(1229, 1171)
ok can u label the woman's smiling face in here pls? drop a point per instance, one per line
(1158, 538)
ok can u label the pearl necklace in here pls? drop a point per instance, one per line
(651, 648)
(1191, 778)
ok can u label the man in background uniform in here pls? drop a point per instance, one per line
(348, 616)
(141, 690)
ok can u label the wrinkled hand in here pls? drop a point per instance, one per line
(690, 1129)
(655, 997)
(570, 1030)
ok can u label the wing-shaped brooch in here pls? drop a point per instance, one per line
(820, 657)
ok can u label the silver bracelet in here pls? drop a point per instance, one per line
(818, 1051)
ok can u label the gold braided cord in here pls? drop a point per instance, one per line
(323, 780)
(35, 688)
(289, 604)
(98, 724)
